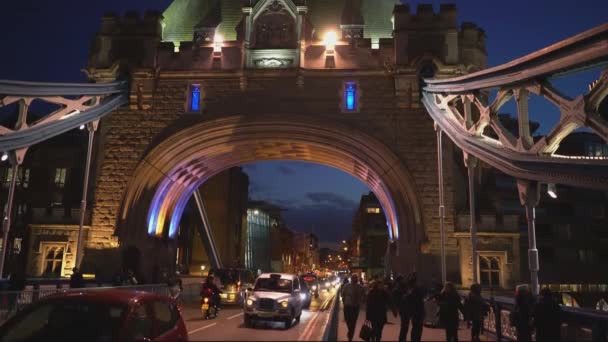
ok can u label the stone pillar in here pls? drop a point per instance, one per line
(402, 18)
(302, 10)
(247, 11)
(529, 196)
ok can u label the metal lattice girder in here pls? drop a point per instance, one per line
(92, 102)
(458, 106)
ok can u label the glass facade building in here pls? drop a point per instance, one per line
(257, 248)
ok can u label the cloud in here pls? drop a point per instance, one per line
(286, 170)
(332, 199)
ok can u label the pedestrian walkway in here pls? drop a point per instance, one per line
(391, 331)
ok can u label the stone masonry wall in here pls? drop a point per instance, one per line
(398, 121)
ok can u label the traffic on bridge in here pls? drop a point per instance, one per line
(277, 170)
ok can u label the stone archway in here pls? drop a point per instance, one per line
(168, 174)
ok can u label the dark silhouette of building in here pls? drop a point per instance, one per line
(370, 237)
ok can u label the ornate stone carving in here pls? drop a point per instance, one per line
(275, 28)
(273, 62)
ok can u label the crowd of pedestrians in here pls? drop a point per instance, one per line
(406, 299)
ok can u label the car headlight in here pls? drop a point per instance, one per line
(302, 296)
(314, 287)
(285, 304)
(249, 302)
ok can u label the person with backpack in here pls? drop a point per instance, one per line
(521, 316)
(475, 309)
(449, 305)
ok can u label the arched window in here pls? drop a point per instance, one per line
(489, 271)
(427, 70)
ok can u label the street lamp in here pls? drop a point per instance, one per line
(552, 190)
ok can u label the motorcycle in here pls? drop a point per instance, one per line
(209, 306)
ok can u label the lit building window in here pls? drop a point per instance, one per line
(59, 182)
(195, 98)
(53, 260)
(596, 150)
(489, 271)
(350, 101)
(60, 178)
(23, 177)
(373, 210)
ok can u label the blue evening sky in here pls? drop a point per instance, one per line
(49, 41)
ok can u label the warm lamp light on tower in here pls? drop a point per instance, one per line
(218, 43)
(329, 40)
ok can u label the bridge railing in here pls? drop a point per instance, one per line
(577, 324)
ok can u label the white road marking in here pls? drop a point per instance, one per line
(201, 328)
(235, 316)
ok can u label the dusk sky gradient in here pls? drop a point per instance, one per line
(49, 41)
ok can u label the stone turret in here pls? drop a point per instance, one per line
(427, 33)
(352, 23)
(130, 41)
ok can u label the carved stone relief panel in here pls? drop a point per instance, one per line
(274, 28)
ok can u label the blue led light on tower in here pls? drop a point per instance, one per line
(195, 98)
(351, 96)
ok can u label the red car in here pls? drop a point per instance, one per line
(98, 315)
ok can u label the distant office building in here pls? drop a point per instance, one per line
(46, 208)
(283, 249)
(261, 218)
(571, 230)
(370, 237)
(307, 252)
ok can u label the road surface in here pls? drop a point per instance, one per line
(229, 324)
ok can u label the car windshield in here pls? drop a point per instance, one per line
(67, 320)
(273, 285)
(226, 276)
(303, 285)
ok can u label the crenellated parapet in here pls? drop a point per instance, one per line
(130, 40)
(427, 32)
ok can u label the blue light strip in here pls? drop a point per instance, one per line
(350, 95)
(195, 98)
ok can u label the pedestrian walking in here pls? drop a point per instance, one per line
(449, 305)
(475, 309)
(410, 301)
(378, 303)
(521, 316)
(352, 296)
(546, 316)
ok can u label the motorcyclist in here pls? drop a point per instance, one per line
(209, 285)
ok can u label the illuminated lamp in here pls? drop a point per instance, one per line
(552, 190)
(218, 43)
(329, 40)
